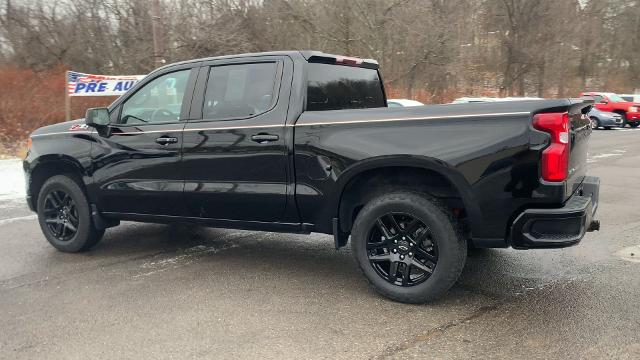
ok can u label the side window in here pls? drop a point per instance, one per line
(158, 101)
(240, 91)
(338, 87)
(597, 98)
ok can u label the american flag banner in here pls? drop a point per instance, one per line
(81, 84)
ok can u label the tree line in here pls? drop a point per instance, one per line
(431, 49)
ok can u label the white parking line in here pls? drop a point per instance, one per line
(20, 218)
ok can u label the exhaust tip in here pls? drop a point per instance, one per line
(594, 226)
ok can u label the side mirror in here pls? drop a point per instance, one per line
(97, 117)
(604, 102)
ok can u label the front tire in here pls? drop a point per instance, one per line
(408, 246)
(634, 124)
(65, 217)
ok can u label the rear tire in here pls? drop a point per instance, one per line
(634, 124)
(422, 239)
(65, 216)
(595, 123)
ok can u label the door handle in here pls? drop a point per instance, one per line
(264, 138)
(164, 140)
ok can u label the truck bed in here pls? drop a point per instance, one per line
(488, 150)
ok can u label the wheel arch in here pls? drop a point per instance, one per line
(47, 166)
(363, 180)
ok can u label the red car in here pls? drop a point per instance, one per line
(614, 103)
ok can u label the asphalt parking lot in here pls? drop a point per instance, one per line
(156, 291)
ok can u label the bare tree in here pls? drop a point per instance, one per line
(436, 49)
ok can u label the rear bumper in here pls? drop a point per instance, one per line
(558, 227)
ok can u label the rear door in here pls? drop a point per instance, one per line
(235, 153)
(136, 159)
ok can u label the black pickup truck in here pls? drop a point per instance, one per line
(302, 142)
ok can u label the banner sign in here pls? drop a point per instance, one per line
(80, 84)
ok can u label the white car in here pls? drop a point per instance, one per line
(467, 100)
(403, 103)
(631, 97)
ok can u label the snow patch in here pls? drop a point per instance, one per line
(602, 156)
(595, 158)
(12, 184)
(186, 258)
(631, 254)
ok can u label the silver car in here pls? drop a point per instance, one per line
(604, 119)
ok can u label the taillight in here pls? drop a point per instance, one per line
(555, 158)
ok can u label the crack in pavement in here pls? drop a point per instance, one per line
(432, 333)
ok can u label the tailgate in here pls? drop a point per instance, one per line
(579, 133)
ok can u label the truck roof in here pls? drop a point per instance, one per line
(309, 55)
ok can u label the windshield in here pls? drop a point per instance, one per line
(615, 98)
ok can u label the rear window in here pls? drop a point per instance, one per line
(337, 87)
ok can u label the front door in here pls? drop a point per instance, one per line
(137, 158)
(235, 157)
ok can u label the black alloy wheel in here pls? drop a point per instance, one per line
(64, 215)
(61, 215)
(402, 250)
(408, 245)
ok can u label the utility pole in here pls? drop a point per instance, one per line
(155, 19)
(67, 97)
